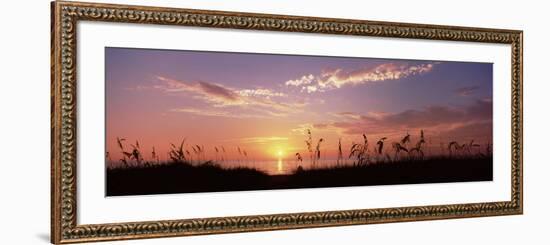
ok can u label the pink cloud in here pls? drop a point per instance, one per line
(347, 114)
(456, 123)
(214, 93)
(217, 95)
(260, 140)
(215, 113)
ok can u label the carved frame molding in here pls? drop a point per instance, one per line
(65, 16)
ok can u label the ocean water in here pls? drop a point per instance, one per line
(280, 166)
(271, 167)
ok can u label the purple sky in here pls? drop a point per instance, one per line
(264, 102)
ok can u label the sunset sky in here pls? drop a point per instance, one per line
(264, 103)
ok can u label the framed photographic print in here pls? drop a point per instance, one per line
(174, 122)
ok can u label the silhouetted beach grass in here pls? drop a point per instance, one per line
(189, 170)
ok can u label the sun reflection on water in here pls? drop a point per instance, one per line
(280, 166)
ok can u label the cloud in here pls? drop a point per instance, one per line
(218, 95)
(466, 91)
(320, 125)
(202, 112)
(481, 131)
(337, 78)
(437, 118)
(304, 80)
(302, 128)
(138, 88)
(215, 113)
(260, 140)
(347, 114)
(260, 93)
(214, 93)
(355, 116)
(310, 89)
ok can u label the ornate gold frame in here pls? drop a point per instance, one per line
(65, 15)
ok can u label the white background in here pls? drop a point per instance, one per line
(24, 127)
(94, 208)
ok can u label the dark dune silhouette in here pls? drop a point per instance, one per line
(178, 177)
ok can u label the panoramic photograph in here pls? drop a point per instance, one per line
(180, 121)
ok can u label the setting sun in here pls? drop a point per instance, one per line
(277, 150)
